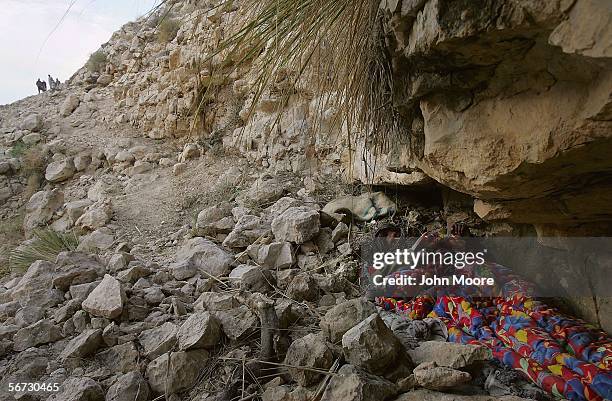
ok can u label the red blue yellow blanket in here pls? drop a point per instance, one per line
(562, 355)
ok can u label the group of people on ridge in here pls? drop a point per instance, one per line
(53, 84)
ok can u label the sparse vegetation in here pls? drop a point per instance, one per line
(45, 245)
(33, 164)
(97, 61)
(18, 149)
(11, 234)
(33, 161)
(167, 29)
(223, 190)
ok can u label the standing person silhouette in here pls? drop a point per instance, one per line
(39, 85)
(51, 82)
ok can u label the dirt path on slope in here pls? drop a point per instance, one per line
(155, 206)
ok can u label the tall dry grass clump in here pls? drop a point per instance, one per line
(337, 45)
(45, 245)
(11, 234)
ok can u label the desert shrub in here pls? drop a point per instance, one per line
(33, 164)
(45, 245)
(223, 189)
(18, 149)
(96, 61)
(167, 29)
(11, 234)
(33, 161)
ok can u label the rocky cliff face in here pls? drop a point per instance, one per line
(510, 102)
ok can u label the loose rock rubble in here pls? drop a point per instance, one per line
(122, 327)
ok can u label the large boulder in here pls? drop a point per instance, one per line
(248, 229)
(490, 136)
(353, 384)
(5, 194)
(158, 340)
(121, 358)
(70, 104)
(75, 209)
(29, 315)
(59, 171)
(281, 205)
(263, 192)
(32, 122)
(76, 272)
(339, 319)
(200, 330)
(39, 276)
(434, 377)
(296, 224)
(215, 301)
(96, 216)
(107, 299)
(216, 219)
(307, 354)
(41, 207)
(79, 389)
(32, 139)
(525, 146)
(252, 278)
(276, 255)
(237, 323)
(303, 287)
(5, 168)
(124, 156)
(100, 240)
(372, 345)
(174, 372)
(131, 386)
(452, 355)
(83, 345)
(190, 151)
(104, 79)
(200, 255)
(41, 332)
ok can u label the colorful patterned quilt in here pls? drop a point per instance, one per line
(564, 356)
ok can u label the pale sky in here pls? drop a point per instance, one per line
(26, 24)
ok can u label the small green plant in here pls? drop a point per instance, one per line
(96, 61)
(45, 245)
(167, 29)
(18, 149)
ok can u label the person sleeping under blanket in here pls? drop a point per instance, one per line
(562, 355)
